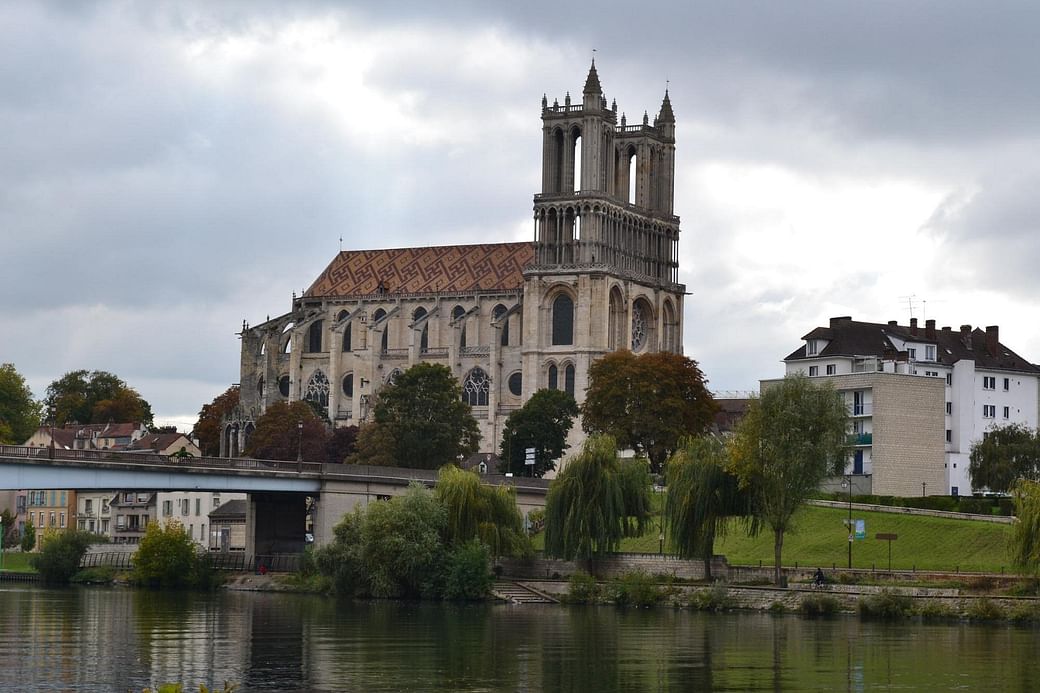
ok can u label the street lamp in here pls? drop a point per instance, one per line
(847, 483)
(299, 447)
(924, 485)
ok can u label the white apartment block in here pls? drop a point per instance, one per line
(94, 512)
(192, 509)
(919, 397)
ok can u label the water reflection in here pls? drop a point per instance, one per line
(105, 639)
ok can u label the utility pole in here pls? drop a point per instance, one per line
(299, 447)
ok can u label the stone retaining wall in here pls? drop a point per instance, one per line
(614, 566)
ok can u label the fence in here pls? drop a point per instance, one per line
(233, 562)
(152, 459)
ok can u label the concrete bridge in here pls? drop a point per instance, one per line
(278, 490)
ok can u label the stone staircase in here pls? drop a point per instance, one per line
(515, 593)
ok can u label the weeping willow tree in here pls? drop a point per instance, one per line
(479, 511)
(702, 497)
(595, 501)
(1024, 542)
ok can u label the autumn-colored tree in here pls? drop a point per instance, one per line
(88, 397)
(278, 435)
(375, 445)
(19, 412)
(542, 424)
(648, 402)
(341, 444)
(209, 427)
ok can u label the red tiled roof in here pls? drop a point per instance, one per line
(155, 441)
(451, 268)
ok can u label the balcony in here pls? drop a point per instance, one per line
(859, 439)
(866, 409)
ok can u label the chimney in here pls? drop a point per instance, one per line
(947, 329)
(929, 329)
(892, 323)
(966, 335)
(992, 339)
(913, 326)
(836, 321)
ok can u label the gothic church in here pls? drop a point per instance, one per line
(506, 318)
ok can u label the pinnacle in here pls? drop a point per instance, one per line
(592, 83)
(666, 116)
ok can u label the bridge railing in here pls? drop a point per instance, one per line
(153, 459)
(232, 561)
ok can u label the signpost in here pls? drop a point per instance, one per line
(529, 460)
(889, 538)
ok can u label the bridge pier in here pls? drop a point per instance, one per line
(275, 523)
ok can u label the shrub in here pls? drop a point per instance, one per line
(28, 537)
(1024, 588)
(1027, 612)
(777, 607)
(582, 588)
(935, 610)
(167, 558)
(715, 599)
(102, 574)
(885, 606)
(986, 610)
(976, 506)
(340, 560)
(816, 605)
(60, 555)
(1006, 506)
(636, 589)
(468, 577)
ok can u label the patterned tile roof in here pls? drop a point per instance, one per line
(451, 268)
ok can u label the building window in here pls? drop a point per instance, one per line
(989, 411)
(553, 377)
(562, 320)
(1007, 412)
(949, 436)
(167, 508)
(475, 388)
(811, 347)
(61, 517)
(831, 369)
(318, 389)
(949, 408)
(348, 384)
(88, 506)
(911, 352)
(346, 338)
(216, 500)
(52, 519)
(949, 379)
(496, 315)
(932, 374)
(1007, 384)
(314, 336)
(516, 383)
(929, 352)
(814, 371)
(283, 386)
(989, 382)
(568, 380)
(198, 506)
(185, 506)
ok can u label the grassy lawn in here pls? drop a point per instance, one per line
(820, 539)
(17, 563)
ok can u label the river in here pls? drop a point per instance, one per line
(117, 639)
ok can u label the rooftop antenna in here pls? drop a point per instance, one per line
(910, 303)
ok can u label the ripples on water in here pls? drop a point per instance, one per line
(113, 639)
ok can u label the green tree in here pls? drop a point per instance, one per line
(790, 440)
(375, 445)
(648, 402)
(1003, 456)
(468, 578)
(166, 558)
(94, 397)
(342, 559)
(702, 498)
(1024, 542)
(403, 551)
(19, 413)
(478, 511)
(278, 435)
(210, 426)
(28, 537)
(8, 529)
(423, 413)
(586, 514)
(543, 424)
(60, 555)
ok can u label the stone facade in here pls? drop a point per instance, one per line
(506, 318)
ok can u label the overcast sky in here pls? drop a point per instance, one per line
(168, 170)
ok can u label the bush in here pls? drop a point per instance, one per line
(636, 589)
(1006, 506)
(976, 506)
(167, 559)
(60, 555)
(986, 610)
(582, 588)
(885, 606)
(935, 610)
(468, 576)
(715, 599)
(1029, 587)
(1027, 612)
(340, 561)
(102, 574)
(816, 605)
(777, 607)
(28, 537)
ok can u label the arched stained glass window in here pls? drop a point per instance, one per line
(497, 314)
(314, 336)
(563, 320)
(348, 384)
(283, 385)
(553, 378)
(568, 380)
(475, 388)
(516, 383)
(346, 337)
(318, 389)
